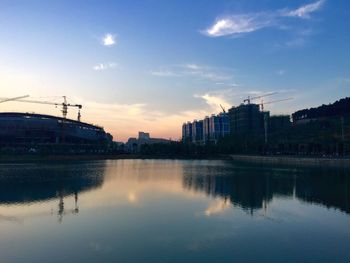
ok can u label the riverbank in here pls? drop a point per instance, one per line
(293, 160)
(88, 157)
(282, 160)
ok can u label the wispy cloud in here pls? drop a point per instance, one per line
(206, 72)
(216, 98)
(238, 24)
(163, 73)
(194, 70)
(108, 40)
(305, 10)
(104, 66)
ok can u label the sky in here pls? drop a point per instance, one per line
(152, 65)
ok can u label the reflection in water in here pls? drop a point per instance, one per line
(254, 187)
(30, 184)
(172, 211)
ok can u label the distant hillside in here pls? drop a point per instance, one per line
(338, 108)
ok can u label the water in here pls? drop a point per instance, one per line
(173, 211)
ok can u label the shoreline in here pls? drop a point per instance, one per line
(96, 157)
(288, 160)
(293, 160)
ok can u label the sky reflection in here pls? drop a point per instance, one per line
(171, 211)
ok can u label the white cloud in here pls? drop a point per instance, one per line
(104, 66)
(194, 70)
(214, 100)
(163, 73)
(238, 24)
(108, 40)
(305, 10)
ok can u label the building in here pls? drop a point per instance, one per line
(279, 122)
(133, 145)
(224, 120)
(187, 132)
(210, 129)
(206, 129)
(197, 131)
(214, 128)
(144, 136)
(219, 126)
(35, 130)
(246, 118)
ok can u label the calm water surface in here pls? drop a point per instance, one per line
(173, 211)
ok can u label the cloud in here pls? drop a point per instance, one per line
(214, 100)
(305, 10)
(104, 66)
(108, 40)
(238, 24)
(206, 72)
(163, 73)
(194, 70)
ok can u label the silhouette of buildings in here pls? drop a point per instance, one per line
(133, 145)
(210, 129)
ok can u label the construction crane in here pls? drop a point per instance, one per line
(12, 99)
(223, 109)
(64, 104)
(270, 102)
(258, 97)
(266, 116)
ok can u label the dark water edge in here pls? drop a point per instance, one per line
(259, 159)
(87, 157)
(293, 160)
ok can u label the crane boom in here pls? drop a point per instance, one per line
(274, 101)
(223, 109)
(269, 102)
(64, 104)
(11, 99)
(259, 97)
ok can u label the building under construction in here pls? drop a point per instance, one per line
(246, 119)
(46, 133)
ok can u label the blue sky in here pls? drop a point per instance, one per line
(151, 65)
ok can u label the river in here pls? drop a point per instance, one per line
(173, 211)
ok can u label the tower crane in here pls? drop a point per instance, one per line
(274, 101)
(258, 97)
(265, 114)
(64, 104)
(223, 109)
(11, 99)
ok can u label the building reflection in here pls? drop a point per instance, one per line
(254, 187)
(28, 185)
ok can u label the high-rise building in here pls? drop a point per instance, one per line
(187, 132)
(206, 129)
(224, 120)
(219, 126)
(246, 118)
(279, 122)
(197, 131)
(184, 131)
